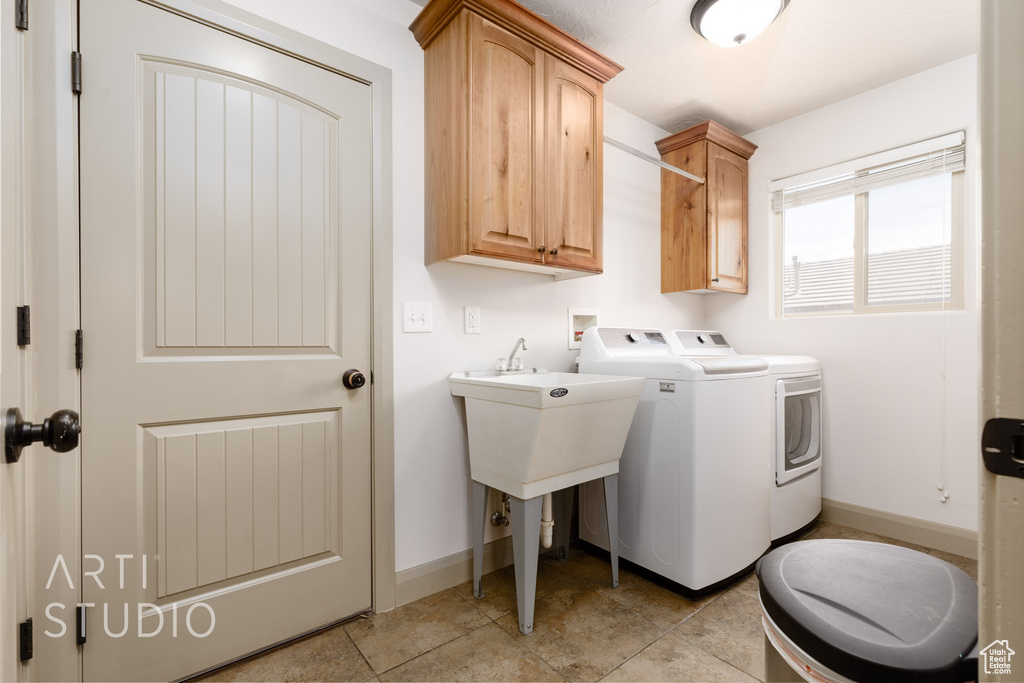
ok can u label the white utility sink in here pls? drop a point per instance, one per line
(540, 432)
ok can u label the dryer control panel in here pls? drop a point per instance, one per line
(703, 342)
(625, 338)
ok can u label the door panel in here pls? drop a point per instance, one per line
(727, 218)
(506, 141)
(261, 486)
(225, 290)
(242, 186)
(574, 167)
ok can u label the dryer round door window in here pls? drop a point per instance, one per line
(797, 428)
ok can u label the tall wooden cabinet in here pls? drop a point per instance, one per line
(704, 226)
(514, 137)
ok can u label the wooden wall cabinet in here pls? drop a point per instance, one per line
(514, 138)
(704, 226)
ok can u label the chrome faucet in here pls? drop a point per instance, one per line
(519, 342)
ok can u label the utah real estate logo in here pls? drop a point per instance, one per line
(997, 657)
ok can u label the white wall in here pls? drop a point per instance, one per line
(883, 392)
(432, 486)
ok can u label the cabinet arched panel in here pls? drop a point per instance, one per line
(574, 167)
(505, 125)
(727, 219)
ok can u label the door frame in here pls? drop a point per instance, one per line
(56, 236)
(15, 290)
(1001, 550)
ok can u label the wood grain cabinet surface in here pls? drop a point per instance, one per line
(704, 226)
(514, 137)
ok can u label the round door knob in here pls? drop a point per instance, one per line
(714, 279)
(353, 379)
(59, 432)
(541, 249)
(554, 252)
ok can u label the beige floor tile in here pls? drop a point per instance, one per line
(582, 634)
(730, 629)
(830, 530)
(327, 656)
(580, 565)
(811, 528)
(674, 659)
(664, 607)
(486, 654)
(500, 589)
(392, 638)
(967, 564)
(748, 586)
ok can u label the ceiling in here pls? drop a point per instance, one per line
(816, 53)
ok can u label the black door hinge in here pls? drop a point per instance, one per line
(21, 15)
(76, 72)
(25, 639)
(79, 349)
(24, 326)
(80, 635)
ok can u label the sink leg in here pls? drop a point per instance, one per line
(563, 520)
(611, 511)
(525, 545)
(479, 525)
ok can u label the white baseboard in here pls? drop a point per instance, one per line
(427, 579)
(950, 539)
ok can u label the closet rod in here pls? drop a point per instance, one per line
(647, 157)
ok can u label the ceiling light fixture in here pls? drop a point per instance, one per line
(729, 23)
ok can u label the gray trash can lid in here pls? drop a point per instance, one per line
(871, 611)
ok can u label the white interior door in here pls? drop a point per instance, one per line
(1002, 518)
(226, 229)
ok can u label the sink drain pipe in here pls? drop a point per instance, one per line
(547, 524)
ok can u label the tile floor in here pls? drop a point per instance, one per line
(584, 630)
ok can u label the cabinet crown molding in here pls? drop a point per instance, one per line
(521, 22)
(708, 130)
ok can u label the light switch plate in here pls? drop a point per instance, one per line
(472, 319)
(416, 316)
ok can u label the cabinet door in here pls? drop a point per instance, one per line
(727, 220)
(506, 143)
(574, 175)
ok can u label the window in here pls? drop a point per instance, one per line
(878, 235)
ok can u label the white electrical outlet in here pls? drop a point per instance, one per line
(416, 316)
(472, 319)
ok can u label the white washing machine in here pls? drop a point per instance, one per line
(797, 443)
(693, 487)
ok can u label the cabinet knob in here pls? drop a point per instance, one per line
(554, 252)
(541, 249)
(714, 279)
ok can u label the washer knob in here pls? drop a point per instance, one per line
(633, 337)
(703, 338)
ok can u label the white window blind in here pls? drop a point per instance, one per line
(947, 158)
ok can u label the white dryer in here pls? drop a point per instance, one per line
(796, 443)
(694, 488)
